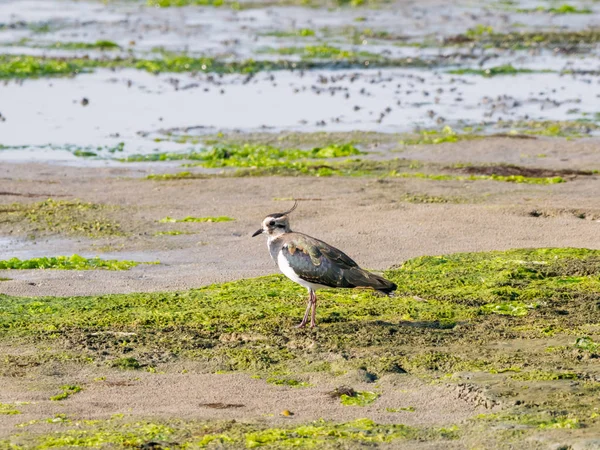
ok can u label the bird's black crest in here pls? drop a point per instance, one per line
(278, 215)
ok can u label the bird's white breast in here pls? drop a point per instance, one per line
(287, 270)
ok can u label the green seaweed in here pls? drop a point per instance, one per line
(302, 32)
(551, 128)
(173, 176)
(170, 233)
(321, 432)
(433, 137)
(67, 391)
(100, 45)
(587, 344)
(324, 51)
(250, 155)
(127, 363)
(64, 216)
(359, 398)
(518, 40)
(264, 161)
(287, 381)
(28, 66)
(507, 69)
(509, 308)
(9, 409)
(118, 433)
(543, 420)
(431, 199)
(538, 375)
(561, 9)
(502, 178)
(403, 409)
(74, 262)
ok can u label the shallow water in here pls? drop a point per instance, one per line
(135, 107)
(49, 111)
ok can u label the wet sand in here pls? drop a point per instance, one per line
(368, 218)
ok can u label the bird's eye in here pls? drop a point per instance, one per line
(272, 223)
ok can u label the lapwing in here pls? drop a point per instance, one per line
(314, 264)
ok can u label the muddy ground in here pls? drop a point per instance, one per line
(467, 126)
(380, 222)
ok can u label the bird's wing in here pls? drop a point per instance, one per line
(317, 262)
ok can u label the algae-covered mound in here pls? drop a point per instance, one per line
(521, 326)
(544, 277)
(444, 305)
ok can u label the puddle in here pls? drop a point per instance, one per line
(27, 249)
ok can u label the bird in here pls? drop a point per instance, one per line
(314, 264)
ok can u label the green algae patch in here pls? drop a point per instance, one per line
(67, 391)
(539, 375)
(250, 155)
(363, 398)
(507, 69)
(125, 436)
(509, 308)
(27, 66)
(126, 364)
(543, 420)
(397, 168)
(63, 216)
(519, 40)
(586, 343)
(287, 381)
(565, 8)
(502, 278)
(24, 66)
(197, 219)
(403, 409)
(503, 178)
(119, 433)
(9, 409)
(263, 156)
(302, 32)
(431, 199)
(570, 129)
(320, 433)
(433, 137)
(324, 51)
(98, 45)
(174, 176)
(171, 233)
(74, 262)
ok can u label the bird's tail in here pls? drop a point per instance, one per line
(361, 278)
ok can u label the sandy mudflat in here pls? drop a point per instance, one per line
(368, 218)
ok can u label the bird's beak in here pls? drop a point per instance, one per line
(257, 232)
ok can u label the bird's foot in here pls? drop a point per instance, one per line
(301, 325)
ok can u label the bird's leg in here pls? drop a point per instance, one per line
(307, 312)
(313, 317)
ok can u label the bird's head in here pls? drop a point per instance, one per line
(276, 224)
